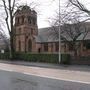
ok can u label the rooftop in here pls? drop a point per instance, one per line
(48, 34)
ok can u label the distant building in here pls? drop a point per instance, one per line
(29, 39)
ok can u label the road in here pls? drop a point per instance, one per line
(18, 77)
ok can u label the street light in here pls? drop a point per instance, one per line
(59, 36)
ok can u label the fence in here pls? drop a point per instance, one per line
(81, 60)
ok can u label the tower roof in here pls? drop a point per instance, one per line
(25, 9)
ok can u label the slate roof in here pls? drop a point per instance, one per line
(43, 36)
(84, 37)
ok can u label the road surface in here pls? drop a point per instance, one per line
(18, 77)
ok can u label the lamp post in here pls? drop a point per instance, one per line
(59, 35)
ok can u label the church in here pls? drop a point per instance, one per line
(28, 38)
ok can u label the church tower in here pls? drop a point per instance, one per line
(25, 29)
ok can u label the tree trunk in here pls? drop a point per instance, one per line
(11, 47)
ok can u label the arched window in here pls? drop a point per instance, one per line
(22, 20)
(29, 19)
(19, 45)
(17, 21)
(45, 47)
(29, 45)
(57, 46)
(31, 31)
(34, 21)
(19, 31)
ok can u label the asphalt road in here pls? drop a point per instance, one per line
(15, 77)
(18, 81)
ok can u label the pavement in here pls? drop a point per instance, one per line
(17, 75)
(74, 73)
(85, 68)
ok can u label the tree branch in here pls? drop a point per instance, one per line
(5, 7)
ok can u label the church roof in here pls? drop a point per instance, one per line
(44, 36)
(25, 9)
(84, 36)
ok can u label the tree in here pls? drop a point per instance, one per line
(3, 37)
(9, 7)
(79, 5)
(72, 23)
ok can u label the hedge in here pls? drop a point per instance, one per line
(50, 58)
(65, 59)
(4, 56)
(47, 58)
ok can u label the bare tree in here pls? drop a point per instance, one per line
(79, 5)
(72, 26)
(9, 7)
(3, 37)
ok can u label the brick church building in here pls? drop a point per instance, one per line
(29, 39)
(27, 36)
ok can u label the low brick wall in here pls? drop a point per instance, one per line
(80, 60)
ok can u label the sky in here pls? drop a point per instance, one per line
(47, 9)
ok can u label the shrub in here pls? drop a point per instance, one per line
(4, 55)
(46, 58)
(65, 58)
(49, 58)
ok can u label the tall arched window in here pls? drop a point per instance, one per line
(22, 22)
(45, 47)
(34, 21)
(17, 21)
(57, 46)
(29, 19)
(19, 45)
(29, 45)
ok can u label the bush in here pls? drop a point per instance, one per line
(65, 58)
(4, 55)
(48, 58)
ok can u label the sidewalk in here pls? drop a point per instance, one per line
(84, 68)
(62, 73)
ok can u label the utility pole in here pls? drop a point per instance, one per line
(59, 35)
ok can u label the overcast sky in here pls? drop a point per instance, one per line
(47, 9)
